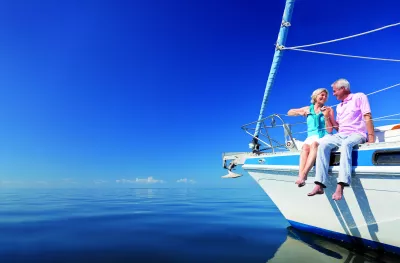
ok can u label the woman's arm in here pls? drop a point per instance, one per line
(299, 112)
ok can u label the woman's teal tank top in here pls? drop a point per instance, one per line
(316, 123)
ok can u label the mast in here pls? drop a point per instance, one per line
(287, 16)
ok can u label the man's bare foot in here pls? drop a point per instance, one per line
(318, 190)
(338, 193)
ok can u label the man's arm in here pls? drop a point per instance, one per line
(370, 127)
(335, 125)
(329, 119)
(331, 123)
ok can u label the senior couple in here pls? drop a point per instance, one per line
(353, 124)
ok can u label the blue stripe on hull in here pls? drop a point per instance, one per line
(345, 238)
(275, 160)
(359, 158)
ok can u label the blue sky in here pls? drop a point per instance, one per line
(115, 93)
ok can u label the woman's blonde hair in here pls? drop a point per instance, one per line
(316, 92)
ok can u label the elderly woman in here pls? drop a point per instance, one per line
(318, 125)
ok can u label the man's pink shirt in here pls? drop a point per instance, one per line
(350, 114)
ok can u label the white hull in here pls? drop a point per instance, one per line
(370, 210)
(300, 246)
(369, 213)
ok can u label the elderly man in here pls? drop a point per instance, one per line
(353, 122)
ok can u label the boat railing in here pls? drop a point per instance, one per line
(269, 138)
(275, 134)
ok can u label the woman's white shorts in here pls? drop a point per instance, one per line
(311, 139)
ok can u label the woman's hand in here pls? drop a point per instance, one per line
(326, 111)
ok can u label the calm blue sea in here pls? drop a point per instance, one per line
(157, 225)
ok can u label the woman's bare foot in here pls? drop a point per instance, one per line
(318, 190)
(338, 193)
(301, 180)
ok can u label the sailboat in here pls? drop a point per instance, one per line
(369, 212)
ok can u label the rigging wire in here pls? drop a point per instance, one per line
(344, 55)
(299, 48)
(344, 38)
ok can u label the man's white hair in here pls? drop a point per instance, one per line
(342, 83)
(316, 92)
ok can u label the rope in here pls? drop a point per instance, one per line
(344, 55)
(397, 114)
(395, 85)
(299, 123)
(344, 38)
(374, 92)
(374, 119)
(389, 120)
(302, 132)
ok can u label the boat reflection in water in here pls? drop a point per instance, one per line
(307, 247)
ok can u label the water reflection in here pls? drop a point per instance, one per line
(302, 247)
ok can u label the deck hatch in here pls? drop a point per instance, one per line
(335, 159)
(386, 157)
